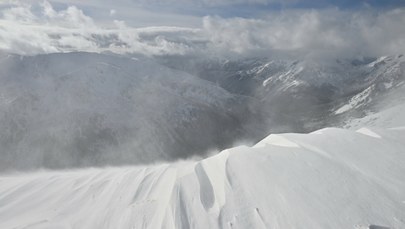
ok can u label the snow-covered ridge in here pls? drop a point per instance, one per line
(332, 178)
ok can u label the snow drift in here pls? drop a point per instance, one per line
(331, 178)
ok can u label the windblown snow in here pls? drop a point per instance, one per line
(332, 178)
(104, 125)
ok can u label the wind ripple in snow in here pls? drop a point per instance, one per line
(337, 179)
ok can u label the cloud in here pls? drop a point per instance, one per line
(312, 33)
(329, 33)
(24, 32)
(21, 13)
(215, 3)
(71, 17)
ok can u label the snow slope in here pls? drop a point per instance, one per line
(331, 178)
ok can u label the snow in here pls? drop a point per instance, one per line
(388, 85)
(392, 117)
(277, 140)
(368, 132)
(336, 178)
(379, 60)
(288, 77)
(355, 101)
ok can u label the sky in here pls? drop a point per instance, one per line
(300, 28)
(188, 13)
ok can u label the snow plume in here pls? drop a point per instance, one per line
(86, 109)
(32, 29)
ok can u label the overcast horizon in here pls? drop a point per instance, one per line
(303, 29)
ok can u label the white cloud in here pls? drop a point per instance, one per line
(180, 2)
(48, 10)
(71, 17)
(21, 13)
(299, 33)
(135, 13)
(311, 33)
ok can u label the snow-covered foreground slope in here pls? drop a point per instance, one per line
(332, 178)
